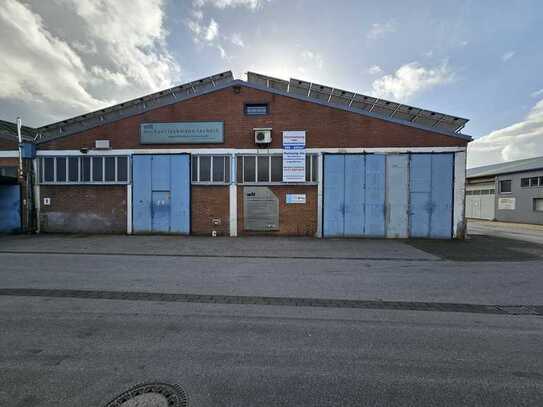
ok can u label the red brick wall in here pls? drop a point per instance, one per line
(83, 209)
(294, 219)
(9, 162)
(8, 144)
(208, 203)
(325, 126)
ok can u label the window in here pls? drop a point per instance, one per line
(265, 169)
(538, 204)
(505, 186)
(210, 169)
(8, 171)
(531, 182)
(84, 170)
(256, 109)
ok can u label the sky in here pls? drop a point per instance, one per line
(477, 59)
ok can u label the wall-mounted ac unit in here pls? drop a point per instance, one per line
(263, 136)
(102, 145)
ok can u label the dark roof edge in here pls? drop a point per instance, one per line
(239, 82)
(495, 174)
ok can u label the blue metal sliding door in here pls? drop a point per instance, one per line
(354, 195)
(161, 193)
(10, 208)
(431, 195)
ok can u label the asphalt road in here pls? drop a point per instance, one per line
(83, 352)
(80, 352)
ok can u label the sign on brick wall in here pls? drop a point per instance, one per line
(182, 133)
(294, 156)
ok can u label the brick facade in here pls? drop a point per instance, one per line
(325, 126)
(102, 209)
(83, 209)
(209, 203)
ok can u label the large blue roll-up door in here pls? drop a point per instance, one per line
(10, 208)
(354, 195)
(161, 193)
(395, 195)
(431, 195)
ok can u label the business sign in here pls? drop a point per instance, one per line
(296, 198)
(506, 204)
(294, 156)
(182, 133)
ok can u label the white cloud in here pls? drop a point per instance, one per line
(375, 70)
(520, 140)
(312, 58)
(237, 40)
(250, 4)
(212, 31)
(537, 93)
(100, 49)
(379, 30)
(409, 80)
(508, 55)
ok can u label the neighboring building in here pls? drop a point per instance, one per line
(266, 156)
(507, 192)
(14, 208)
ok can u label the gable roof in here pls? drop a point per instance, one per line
(529, 164)
(297, 89)
(8, 130)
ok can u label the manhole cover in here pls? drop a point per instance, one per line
(151, 395)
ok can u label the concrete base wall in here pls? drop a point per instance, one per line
(83, 209)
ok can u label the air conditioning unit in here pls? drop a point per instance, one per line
(263, 136)
(102, 145)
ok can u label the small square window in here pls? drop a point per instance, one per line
(256, 109)
(505, 186)
(538, 204)
(525, 182)
(534, 181)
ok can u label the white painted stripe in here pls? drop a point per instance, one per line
(233, 198)
(129, 209)
(251, 151)
(459, 194)
(9, 154)
(319, 195)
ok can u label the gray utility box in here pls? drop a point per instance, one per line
(260, 209)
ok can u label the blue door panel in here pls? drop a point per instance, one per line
(161, 193)
(160, 211)
(420, 188)
(397, 187)
(375, 196)
(141, 194)
(180, 194)
(160, 172)
(10, 209)
(442, 196)
(431, 194)
(354, 195)
(334, 195)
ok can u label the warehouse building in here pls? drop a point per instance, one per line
(506, 192)
(221, 156)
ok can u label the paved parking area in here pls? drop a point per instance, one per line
(515, 231)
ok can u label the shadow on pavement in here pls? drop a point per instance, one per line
(480, 248)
